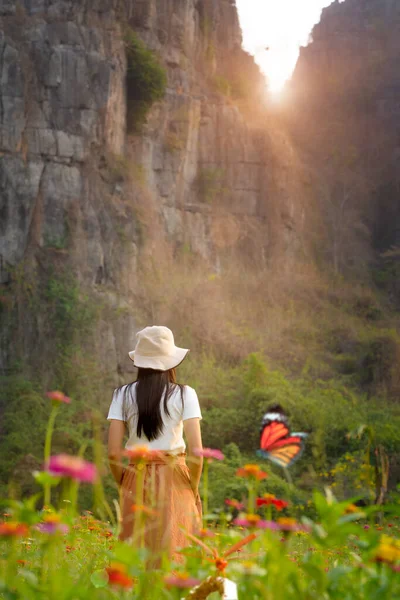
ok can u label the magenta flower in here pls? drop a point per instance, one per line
(57, 396)
(209, 453)
(52, 528)
(74, 467)
(181, 580)
(52, 524)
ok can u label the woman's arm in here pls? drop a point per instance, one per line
(195, 463)
(115, 440)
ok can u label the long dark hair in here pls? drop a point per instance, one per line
(152, 388)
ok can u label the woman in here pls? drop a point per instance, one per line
(159, 492)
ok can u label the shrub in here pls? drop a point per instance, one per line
(146, 81)
(380, 364)
(222, 85)
(209, 183)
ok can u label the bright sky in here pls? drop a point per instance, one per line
(282, 26)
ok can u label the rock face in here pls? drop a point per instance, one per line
(213, 180)
(61, 92)
(348, 79)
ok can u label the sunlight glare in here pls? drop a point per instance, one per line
(274, 30)
(277, 64)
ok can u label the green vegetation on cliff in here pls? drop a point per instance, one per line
(146, 80)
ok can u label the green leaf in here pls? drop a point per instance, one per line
(99, 579)
(43, 478)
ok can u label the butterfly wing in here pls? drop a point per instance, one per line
(285, 456)
(271, 433)
(278, 445)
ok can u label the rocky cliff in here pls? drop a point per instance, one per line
(81, 195)
(346, 91)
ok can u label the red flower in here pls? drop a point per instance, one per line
(13, 529)
(269, 499)
(58, 396)
(118, 576)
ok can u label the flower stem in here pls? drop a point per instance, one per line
(252, 499)
(205, 493)
(47, 449)
(138, 521)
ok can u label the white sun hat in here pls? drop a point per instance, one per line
(155, 349)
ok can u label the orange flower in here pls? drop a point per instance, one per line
(234, 504)
(13, 529)
(351, 509)
(144, 509)
(52, 518)
(251, 471)
(288, 524)
(118, 576)
(221, 564)
(141, 453)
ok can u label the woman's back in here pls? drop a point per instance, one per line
(182, 404)
(155, 411)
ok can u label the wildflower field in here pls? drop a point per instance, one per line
(332, 549)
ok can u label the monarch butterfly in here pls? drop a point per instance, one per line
(276, 442)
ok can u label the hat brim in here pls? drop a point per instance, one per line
(159, 363)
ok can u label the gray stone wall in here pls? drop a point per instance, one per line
(216, 178)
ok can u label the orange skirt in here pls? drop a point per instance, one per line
(158, 505)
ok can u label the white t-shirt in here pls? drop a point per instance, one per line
(172, 437)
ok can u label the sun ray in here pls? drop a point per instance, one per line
(273, 32)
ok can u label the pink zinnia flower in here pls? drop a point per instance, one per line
(251, 521)
(52, 524)
(205, 533)
(209, 453)
(58, 396)
(72, 466)
(181, 580)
